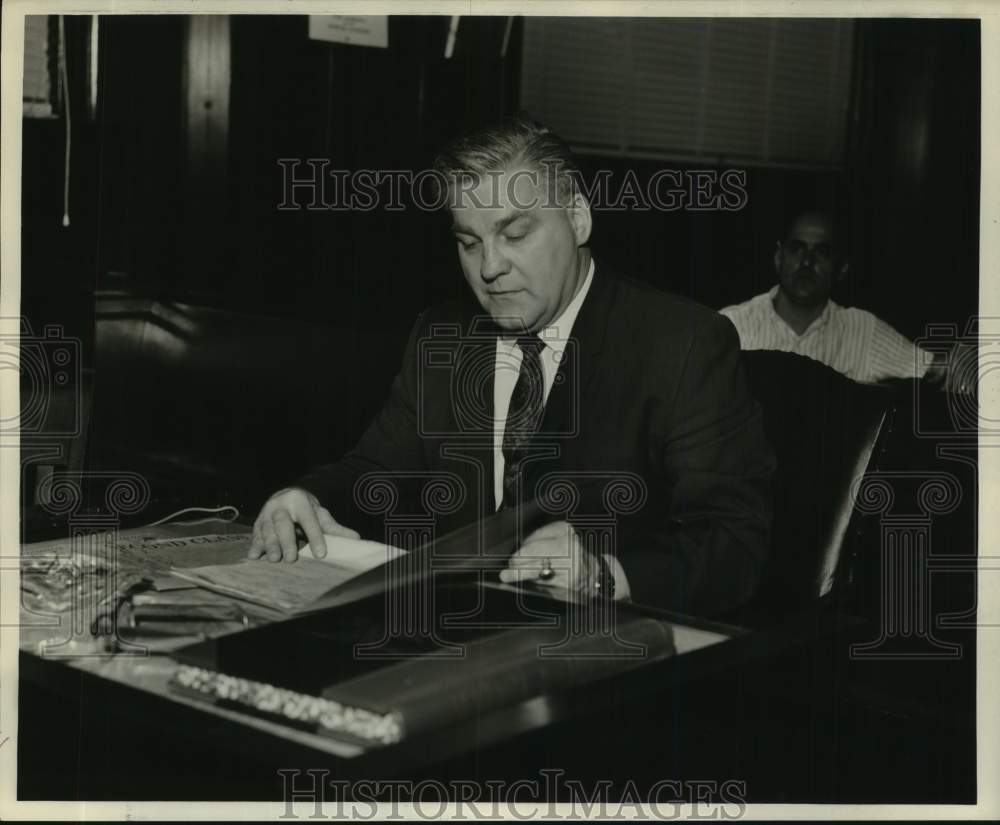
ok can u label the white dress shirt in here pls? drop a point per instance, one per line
(852, 341)
(508, 366)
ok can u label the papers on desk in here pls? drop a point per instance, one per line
(355, 555)
(292, 586)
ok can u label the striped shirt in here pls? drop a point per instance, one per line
(852, 341)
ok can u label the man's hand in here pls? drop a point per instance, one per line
(554, 548)
(274, 529)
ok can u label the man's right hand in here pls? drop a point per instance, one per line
(274, 529)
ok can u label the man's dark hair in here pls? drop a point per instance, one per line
(520, 141)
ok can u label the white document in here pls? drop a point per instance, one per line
(356, 555)
(292, 586)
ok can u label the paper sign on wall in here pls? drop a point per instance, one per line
(356, 29)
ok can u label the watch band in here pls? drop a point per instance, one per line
(604, 586)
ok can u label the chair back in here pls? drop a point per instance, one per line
(825, 430)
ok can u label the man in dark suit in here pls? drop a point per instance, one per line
(575, 380)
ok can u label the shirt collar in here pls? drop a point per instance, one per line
(556, 334)
(821, 319)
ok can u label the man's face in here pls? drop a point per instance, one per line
(807, 263)
(520, 252)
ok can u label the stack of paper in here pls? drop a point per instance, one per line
(292, 586)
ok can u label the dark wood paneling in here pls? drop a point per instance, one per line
(915, 172)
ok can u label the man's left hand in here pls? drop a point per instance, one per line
(553, 556)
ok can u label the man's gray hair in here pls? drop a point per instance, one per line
(520, 142)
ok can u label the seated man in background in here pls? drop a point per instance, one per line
(577, 373)
(797, 314)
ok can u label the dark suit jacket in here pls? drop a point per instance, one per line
(649, 413)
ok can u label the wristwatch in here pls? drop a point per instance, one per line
(604, 584)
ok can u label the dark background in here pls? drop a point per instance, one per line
(244, 343)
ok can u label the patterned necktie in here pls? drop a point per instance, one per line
(524, 415)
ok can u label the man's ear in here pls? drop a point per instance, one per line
(777, 257)
(580, 218)
(842, 272)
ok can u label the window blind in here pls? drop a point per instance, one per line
(766, 91)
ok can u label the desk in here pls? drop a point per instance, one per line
(115, 694)
(111, 728)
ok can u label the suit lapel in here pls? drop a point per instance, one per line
(474, 373)
(562, 409)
